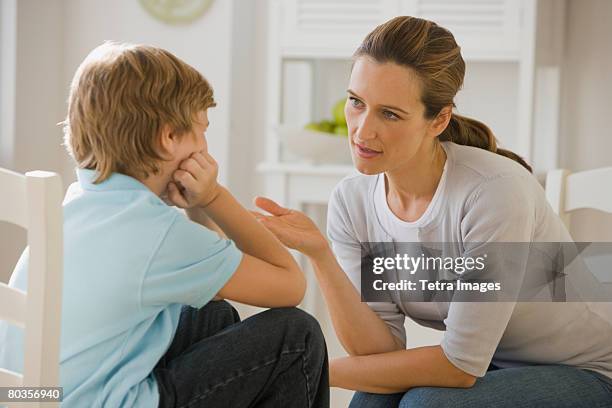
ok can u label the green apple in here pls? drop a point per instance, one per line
(341, 130)
(326, 126)
(313, 126)
(338, 112)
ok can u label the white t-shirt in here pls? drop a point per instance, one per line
(406, 231)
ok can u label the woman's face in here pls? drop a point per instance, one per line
(385, 118)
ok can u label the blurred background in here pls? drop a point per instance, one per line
(539, 73)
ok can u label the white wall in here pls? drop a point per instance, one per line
(34, 142)
(246, 88)
(8, 57)
(586, 109)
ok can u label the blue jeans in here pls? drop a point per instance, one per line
(276, 358)
(544, 386)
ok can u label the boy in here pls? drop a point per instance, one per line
(135, 126)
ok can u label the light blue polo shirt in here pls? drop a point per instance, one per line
(130, 263)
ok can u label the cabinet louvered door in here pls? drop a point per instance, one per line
(330, 28)
(485, 29)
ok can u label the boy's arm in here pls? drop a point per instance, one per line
(244, 229)
(198, 215)
(267, 276)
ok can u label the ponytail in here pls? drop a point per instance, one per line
(470, 132)
(432, 52)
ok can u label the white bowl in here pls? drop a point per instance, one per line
(316, 147)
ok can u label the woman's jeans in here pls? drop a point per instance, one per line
(545, 386)
(276, 358)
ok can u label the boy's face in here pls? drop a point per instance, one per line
(183, 146)
(193, 141)
(176, 148)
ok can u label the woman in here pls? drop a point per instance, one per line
(430, 175)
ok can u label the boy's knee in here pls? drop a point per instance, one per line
(311, 326)
(302, 319)
(218, 309)
(218, 305)
(300, 322)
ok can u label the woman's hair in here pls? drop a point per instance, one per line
(432, 53)
(120, 98)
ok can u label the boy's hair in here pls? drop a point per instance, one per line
(120, 98)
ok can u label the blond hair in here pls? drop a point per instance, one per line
(120, 98)
(431, 51)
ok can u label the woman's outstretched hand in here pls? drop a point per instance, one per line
(293, 228)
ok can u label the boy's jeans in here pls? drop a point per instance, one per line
(276, 358)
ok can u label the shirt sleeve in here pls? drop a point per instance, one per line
(347, 250)
(500, 210)
(191, 265)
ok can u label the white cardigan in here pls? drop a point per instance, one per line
(484, 197)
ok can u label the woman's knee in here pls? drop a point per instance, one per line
(368, 400)
(430, 397)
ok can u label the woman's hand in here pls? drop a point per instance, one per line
(293, 228)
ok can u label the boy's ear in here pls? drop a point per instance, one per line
(167, 142)
(440, 122)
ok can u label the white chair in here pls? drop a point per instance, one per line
(591, 189)
(34, 202)
(567, 191)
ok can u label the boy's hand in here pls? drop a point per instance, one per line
(195, 181)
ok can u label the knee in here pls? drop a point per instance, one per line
(219, 308)
(218, 305)
(302, 323)
(430, 397)
(303, 320)
(368, 400)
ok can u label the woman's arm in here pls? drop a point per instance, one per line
(359, 329)
(398, 371)
(378, 362)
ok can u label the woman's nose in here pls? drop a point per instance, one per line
(365, 129)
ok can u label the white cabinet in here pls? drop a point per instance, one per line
(486, 29)
(330, 28)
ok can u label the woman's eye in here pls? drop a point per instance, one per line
(390, 115)
(355, 102)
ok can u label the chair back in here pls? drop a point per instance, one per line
(34, 202)
(567, 191)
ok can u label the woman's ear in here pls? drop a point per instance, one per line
(440, 122)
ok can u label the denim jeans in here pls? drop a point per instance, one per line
(276, 358)
(544, 386)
